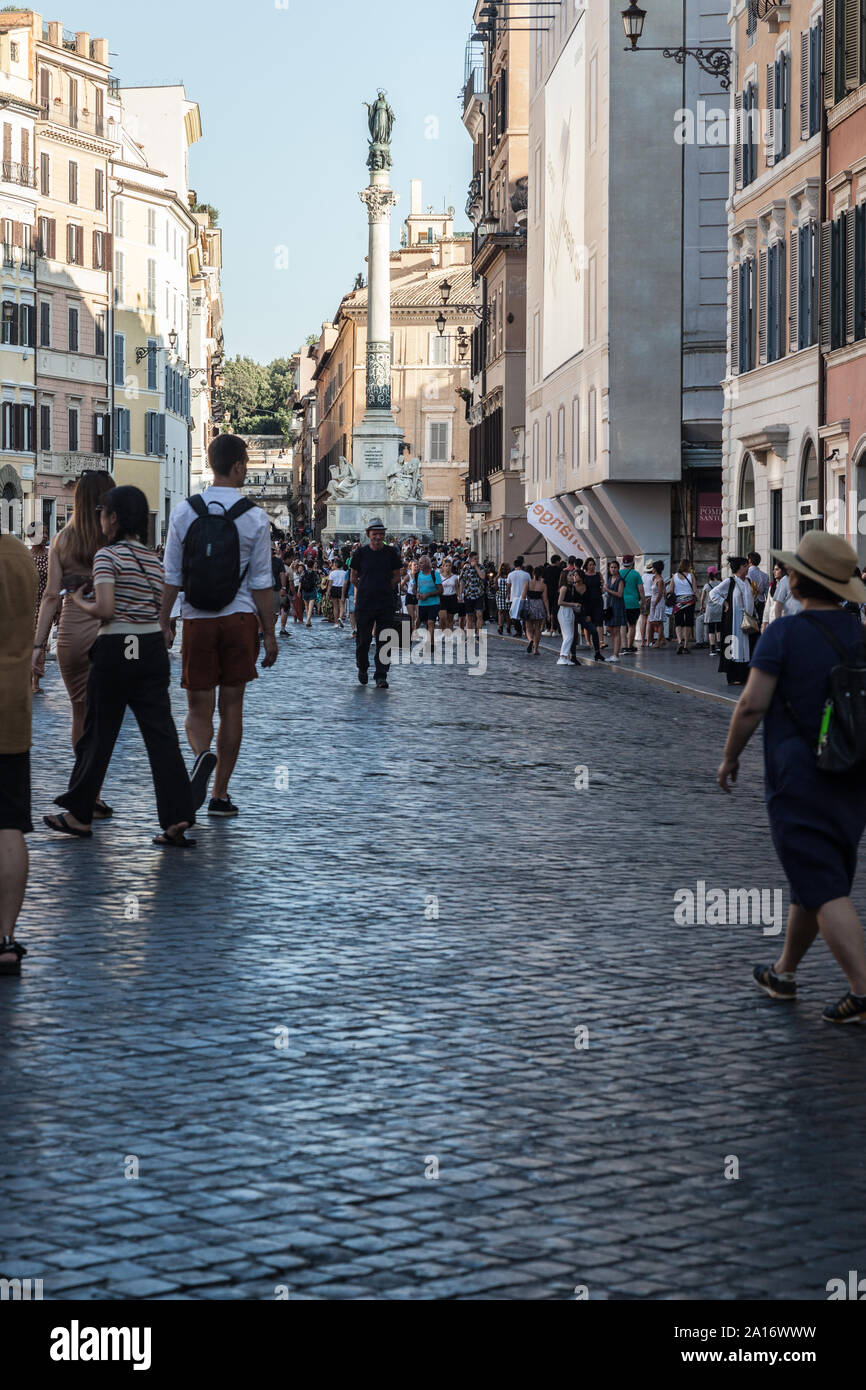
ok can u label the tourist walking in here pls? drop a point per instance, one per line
(739, 624)
(428, 584)
(375, 574)
(39, 552)
(632, 597)
(129, 669)
(656, 616)
(816, 817)
(471, 592)
(218, 553)
(648, 581)
(711, 610)
(18, 588)
(502, 614)
(70, 570)
(536, 608)
(683, 592)
(448, 609)
(614, 613)
(337, 578)
(517, 582)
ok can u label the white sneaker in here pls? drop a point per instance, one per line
(613, 658)
(563, 661)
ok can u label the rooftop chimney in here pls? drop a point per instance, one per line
(55, 33)
(415, 208)
(82, 44)
(99, 51)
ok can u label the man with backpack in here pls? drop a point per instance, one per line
(218, 555)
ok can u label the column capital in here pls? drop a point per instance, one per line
(379, 201)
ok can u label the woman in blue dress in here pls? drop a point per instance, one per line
(817, 818)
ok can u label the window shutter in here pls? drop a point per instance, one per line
(161, 435)
(770, 133)
(17, 234)
(95, 251)
(826, 277)
(735, 320)
(52, 238)
(762, 307)
(850, 263)
(738, 142)
(805, 85)
(781, 289)
(148, 432)
(7, 143)
(17, 427)
(852, 44)
(829, 57)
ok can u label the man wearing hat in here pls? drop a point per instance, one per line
(817, 818)
(375, 574)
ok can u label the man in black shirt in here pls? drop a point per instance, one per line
(375, 573)
(553, 579)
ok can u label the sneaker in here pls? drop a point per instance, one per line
(363, 677)
(612, 657)
(850, 1009)
(381, 683)
(563, 661)
(199, 777)
(777, 986)
(629, 651)
(222, 806)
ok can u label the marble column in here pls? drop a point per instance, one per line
(379, 199)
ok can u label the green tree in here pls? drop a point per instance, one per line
(246, 392)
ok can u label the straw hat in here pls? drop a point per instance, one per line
(829, 560)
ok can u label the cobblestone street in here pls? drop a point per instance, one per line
(419, 1043)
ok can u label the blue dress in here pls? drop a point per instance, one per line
(817, 818)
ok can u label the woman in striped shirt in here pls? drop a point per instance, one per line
(129, 667)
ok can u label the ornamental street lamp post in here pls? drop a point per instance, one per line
(716, 61)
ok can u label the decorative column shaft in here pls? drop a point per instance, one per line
(379, 199)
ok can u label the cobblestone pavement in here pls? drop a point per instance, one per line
(415, 1040)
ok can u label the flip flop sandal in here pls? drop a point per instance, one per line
(101, 811)
(166, 841)
(11, 967)
(60, 825)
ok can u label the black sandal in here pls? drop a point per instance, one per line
(11, 967)
(101, 811)
(166, 841)
(61, 826)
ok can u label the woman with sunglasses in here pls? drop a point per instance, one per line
(128, 668)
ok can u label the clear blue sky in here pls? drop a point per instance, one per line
(284, 144)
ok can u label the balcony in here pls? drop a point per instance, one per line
(13, 172)
(18, 255)
(474, 194)
(474, 86)
(773, 11)
(74, 118)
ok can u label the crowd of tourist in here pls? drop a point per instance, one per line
(116, 601)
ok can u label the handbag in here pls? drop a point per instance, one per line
(750, 623)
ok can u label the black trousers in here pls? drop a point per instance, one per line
(129, 672)
(583, 623)
(385, 620)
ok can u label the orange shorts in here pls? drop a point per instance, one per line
(219, 651)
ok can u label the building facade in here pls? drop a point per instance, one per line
(496, 117)
(625, 280)
(18, 202)
(773, 384)
(206, 344)
(842, 432)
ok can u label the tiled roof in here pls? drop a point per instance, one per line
(421, 289)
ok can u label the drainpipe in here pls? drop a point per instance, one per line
(822, 360)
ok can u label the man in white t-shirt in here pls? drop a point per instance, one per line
(518, 581)
(220, 646)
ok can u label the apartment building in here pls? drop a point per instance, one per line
(206, 344)
(74, 144)
(152, 230)
(496, 117)
(18, 199)
(772, 444)
(625, 281)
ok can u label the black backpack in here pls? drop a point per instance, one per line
(840, 745)
(212, 555)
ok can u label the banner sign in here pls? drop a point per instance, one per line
(564, 535)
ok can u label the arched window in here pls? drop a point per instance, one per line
(746, 508)
(809, 489)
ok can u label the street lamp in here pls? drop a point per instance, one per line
(172, 338)
(440, 323)
(715, 61)
(445, 291)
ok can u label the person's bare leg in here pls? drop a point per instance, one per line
(841, 929)
(800, 933)
(229, 735)
(199, 719)
(14, 865)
